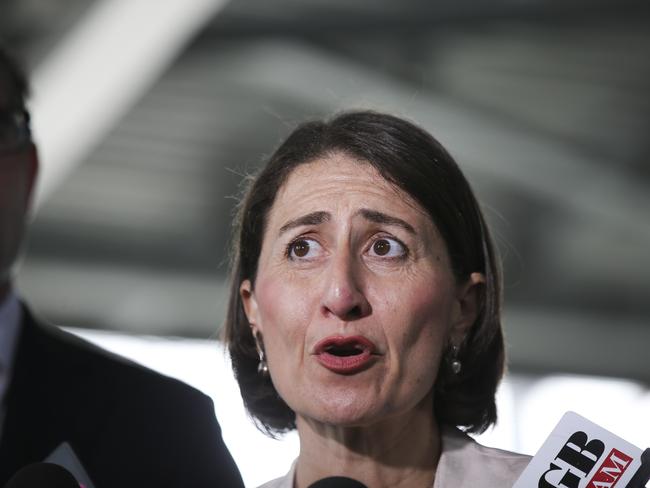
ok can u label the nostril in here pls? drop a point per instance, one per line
(345, 303)
(354, 313)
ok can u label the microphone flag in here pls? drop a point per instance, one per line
(581, 454)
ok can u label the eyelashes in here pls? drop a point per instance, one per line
(304, 248)
(388, 247)
(383, 247)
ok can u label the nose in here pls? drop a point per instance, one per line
(343, 296)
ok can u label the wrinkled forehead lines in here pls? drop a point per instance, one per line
(339, 171)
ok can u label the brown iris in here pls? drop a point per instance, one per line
(301, 248)
(381, 247)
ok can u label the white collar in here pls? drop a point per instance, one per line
(463, 463)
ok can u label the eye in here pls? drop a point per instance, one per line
(387, 247)
(304, 248)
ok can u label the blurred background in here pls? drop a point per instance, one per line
(148, 114)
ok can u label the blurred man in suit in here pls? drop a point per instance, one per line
(126, 425)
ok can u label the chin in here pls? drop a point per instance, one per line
(345, 409)
(345, 420)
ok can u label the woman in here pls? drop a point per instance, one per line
(364, 309)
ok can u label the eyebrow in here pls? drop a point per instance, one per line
(313, 218)
(316, 218)
(382, 218)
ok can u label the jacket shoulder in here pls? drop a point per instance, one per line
(466, 463)
(76, 360)
(158, 430)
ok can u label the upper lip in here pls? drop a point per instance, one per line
(337, 341)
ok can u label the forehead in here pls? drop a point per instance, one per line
(338, 183)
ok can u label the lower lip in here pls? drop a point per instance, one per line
(345, 364)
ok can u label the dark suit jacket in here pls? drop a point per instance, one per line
(130, 426)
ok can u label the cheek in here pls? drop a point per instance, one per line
(13, 198)
(422, 307)
(417, 326)
(432, 306)
(282, 316)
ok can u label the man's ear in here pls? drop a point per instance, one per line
(467, 308)
(250, 304)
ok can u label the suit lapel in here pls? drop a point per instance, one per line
(32, 427)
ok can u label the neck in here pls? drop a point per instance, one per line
(401, 451)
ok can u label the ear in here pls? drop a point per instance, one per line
(250, 304)
(466, 309)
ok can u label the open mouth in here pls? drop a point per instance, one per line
(345, 350)
(345, 355)
(342, 346)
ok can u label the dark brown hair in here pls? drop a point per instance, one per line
(412, 160)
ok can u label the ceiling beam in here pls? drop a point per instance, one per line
(591, 187)
(332, 20)
(99, 70)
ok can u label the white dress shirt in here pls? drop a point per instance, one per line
(10, 318)
(463, 463)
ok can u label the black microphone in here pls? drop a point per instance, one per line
(337, 482)
(42, 475)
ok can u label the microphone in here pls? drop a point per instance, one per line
(337, 482)
(42, 475)
(581, 454)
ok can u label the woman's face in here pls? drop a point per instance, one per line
(354, 297)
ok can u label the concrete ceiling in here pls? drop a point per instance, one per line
(546, 105)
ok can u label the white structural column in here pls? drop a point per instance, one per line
(100, 69)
